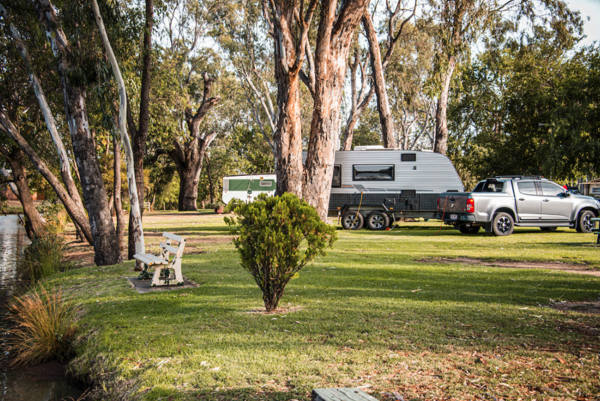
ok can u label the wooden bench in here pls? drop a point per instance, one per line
(596, 230)
(161, 264)
(340, 394)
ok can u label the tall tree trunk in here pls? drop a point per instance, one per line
(288, 136)
(441, 123)
(106, 250)
(289, 53)
(378, 67)
(139, 134)
(189, 165)
(211, 188)
(77, 215)
(334, 38)
(138, 233)
(15, 159)
(188, 157)
(118, 204)
(188, 188)
(383, 104)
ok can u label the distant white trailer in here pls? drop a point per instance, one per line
(247, 187)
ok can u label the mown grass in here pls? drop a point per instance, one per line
(368, 315)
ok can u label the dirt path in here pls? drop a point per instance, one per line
(565, 267)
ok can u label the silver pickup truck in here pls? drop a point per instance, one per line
(499, 204)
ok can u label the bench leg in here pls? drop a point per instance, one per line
(156, 276)
(177, 268)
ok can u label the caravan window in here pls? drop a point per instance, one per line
(408, 157)
(373, 172)
(336, 182)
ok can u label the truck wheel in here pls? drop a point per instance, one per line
(548, 229)
(469, 230)
(584, 222)
(352, 220)
(378, 220)
(503, 225)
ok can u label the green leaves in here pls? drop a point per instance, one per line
(276, 237)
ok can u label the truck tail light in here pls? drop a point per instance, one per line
(438, 204)
(470, 205)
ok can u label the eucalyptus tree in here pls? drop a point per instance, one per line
(20, 186)
(185, 28)
(135, 219)
(289, 24)
(461, 23)
(15, 99)
(72, 56)
(241, 34)
(530, 107)
(71, 67)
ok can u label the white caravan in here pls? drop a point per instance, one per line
(248, 187)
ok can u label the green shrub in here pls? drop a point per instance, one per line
(45, 326)
(56, 216)
(270, 233)
(44, 257)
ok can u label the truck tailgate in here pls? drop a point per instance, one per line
(453, 202)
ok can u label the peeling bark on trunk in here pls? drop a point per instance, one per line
(106, 250)
(441, 123)
(383, 104)
(289, 29)
(288, 136)
(15, 159)
(334, 38)
(189, 157)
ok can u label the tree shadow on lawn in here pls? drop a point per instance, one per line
(241, 393)
(420, 231)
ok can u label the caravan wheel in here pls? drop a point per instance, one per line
(351, 220)
(378, 220)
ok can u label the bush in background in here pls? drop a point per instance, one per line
(269, 234)
(56, 216)
(44, 327)
(44, 257)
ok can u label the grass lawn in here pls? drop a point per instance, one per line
(367, 315)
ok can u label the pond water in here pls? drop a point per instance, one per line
(45, 382)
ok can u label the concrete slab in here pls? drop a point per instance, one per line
(143, 286)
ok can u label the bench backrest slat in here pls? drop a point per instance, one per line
(169, 248)
(173, 237)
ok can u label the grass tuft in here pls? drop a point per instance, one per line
(44, 327)
(45, 257)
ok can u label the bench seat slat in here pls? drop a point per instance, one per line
(150, 259)
(173, 237)
(168, 247)
(341, 394)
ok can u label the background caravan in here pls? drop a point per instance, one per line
(375, 186)
(248, 187)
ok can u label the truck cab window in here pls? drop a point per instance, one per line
(336, 182)
(491, 186)
(372, 172)
(550, 189)
(527, 187)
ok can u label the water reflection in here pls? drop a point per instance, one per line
(22, 385)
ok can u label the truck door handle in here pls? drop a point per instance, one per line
(546, 200)
(521, 199)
